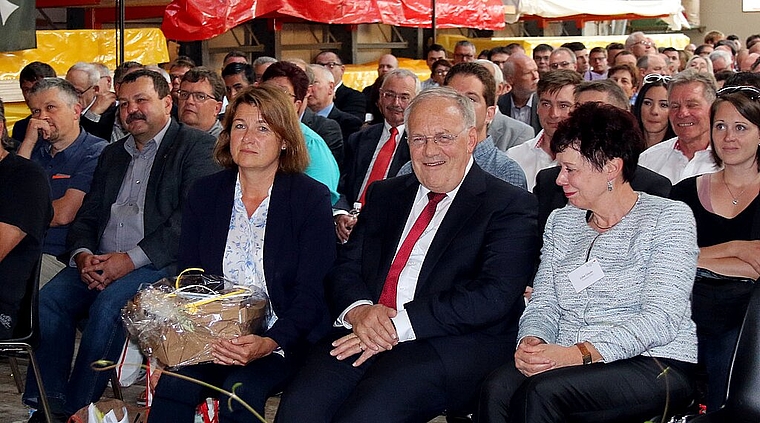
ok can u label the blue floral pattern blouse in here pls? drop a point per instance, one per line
(243, 261)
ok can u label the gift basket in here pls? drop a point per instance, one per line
(176, 320)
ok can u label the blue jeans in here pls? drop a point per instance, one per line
(64, 302)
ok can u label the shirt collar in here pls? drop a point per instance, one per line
(131, 147)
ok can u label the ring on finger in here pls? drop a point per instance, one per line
(234, 362)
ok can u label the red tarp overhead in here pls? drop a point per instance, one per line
(193, 20)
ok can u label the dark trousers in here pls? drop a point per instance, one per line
(176, 399)
(410, 383)
(718, 309)
(629, 390)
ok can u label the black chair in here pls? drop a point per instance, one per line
(743, 398)
(26, 336)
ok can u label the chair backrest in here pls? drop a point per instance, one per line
(744, 379)
(27, 325)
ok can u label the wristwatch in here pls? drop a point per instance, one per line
(584, 351)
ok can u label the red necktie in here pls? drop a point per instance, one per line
(388, 296)
(382, 162)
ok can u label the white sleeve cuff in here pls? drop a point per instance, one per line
(404, 328)
(341, 320)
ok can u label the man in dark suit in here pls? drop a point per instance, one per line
(521, 103)
(420, 328)
(347, 99)
(550, 195)
(126, 233)
(321, 102)
(376, 152)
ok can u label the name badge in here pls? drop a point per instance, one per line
(586, 275)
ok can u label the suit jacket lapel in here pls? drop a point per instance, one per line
(276, 229)
(119, 167)
(467, 201)
(156, 173)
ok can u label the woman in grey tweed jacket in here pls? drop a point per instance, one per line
(611, 305)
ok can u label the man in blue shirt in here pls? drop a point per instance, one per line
(55, 141)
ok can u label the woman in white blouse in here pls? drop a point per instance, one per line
(259, 222)
(611, 306)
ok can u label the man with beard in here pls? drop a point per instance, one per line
(55, 141)
(125, 234)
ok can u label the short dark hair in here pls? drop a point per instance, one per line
(747, 107)
(297, 77)
(35, 71)
(543, 47)
(600, 133)
(235, 53)
(624, 53)
(752, 40)
(479, 71)
(555, 80)
(598, 50)
(627, 68)
(512, 47)
(698, 51)
(614, 93)
(182, 62)
(723, 75)
(669, 49)
(739, 79)
(435, 47)
(122, 69)
(278, 112)
(200, 73)
(615, 46)
(159, 82)
(496, 50)
(335, 52)
(236, 68)
(574, 46)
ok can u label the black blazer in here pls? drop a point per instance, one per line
(299, 248)
(505, 105)
(350, 101)
(103, 127)
(183, 156)
(328, 129)
(349, 123)
(468, 298)
(550, 195)
(358, 156)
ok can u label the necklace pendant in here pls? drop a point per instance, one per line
(735, 201)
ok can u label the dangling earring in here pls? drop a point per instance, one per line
(609, 186)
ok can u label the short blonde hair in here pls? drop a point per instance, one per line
(277, 110)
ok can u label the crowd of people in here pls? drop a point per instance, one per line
(517, 238)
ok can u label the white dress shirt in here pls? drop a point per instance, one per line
(668, 160)
(531, 158)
